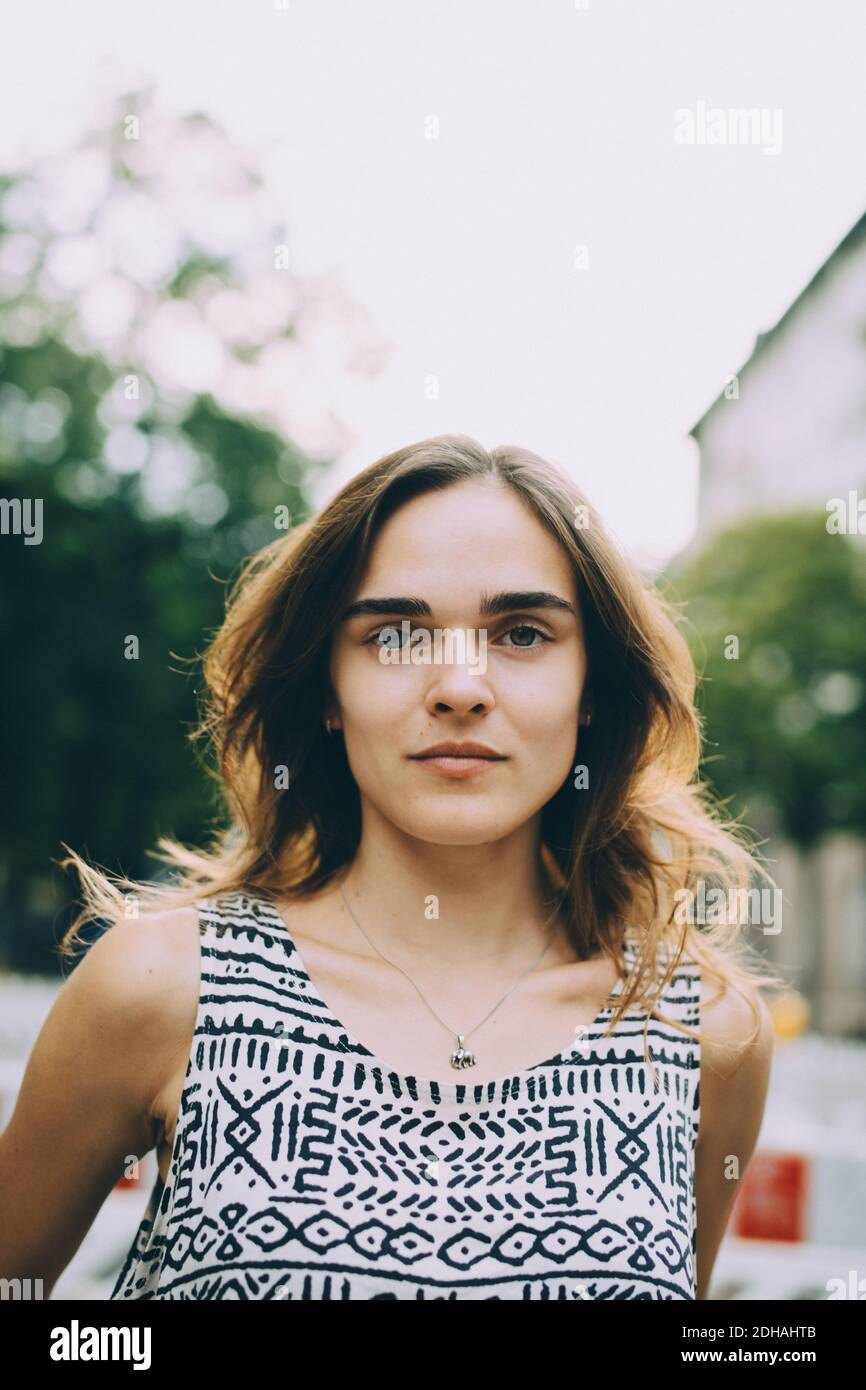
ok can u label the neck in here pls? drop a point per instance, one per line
(489, 904)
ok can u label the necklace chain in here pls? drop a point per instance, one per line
(461, 1057)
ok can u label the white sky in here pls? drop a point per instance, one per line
(556, 129)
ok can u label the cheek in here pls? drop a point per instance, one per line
(371, 693)
(550, 702)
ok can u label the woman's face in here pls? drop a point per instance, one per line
(435, 562)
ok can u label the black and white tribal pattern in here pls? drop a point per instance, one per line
(304, 1168)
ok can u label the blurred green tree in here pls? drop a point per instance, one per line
(776, 614)
(158, 393)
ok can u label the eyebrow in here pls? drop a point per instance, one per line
(492, 605)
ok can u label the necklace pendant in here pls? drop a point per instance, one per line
(462, 1057)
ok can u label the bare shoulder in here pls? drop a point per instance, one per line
(736, 1028)
(737, 1036)
(143, 961)
(140, 984)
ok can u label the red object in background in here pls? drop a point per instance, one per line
(125, 1182)
(771, 1202)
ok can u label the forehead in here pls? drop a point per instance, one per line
(468, 537)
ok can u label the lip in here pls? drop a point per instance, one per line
(474, 751)
(458, 760)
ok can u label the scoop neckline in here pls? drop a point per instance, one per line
(455, 1091)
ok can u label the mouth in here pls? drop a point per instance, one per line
(453, 750)
(458, 760)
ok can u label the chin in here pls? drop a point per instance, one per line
(450, 829)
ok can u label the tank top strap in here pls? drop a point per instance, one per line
(237, 913)
(680, 997)
(248, 978)
(682, 992)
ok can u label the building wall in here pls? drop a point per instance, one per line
(797, 434)
(821, 949)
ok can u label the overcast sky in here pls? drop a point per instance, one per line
(553, 128)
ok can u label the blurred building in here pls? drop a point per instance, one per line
(822, 949)
(790, 427)
(789, 430)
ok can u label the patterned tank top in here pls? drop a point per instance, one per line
(304, 1167)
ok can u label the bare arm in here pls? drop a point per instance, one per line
(87, 1100)
(734, 1087)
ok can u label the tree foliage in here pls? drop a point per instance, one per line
(151, 373)
(783, 704)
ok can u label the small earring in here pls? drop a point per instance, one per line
(328, 725)
(587, 721)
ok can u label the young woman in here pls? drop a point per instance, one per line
(427, 1020)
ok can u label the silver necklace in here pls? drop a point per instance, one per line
(461, 1057)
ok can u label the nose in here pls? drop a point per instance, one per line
(457, 689)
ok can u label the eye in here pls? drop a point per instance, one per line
(530, 628)
(392, 628)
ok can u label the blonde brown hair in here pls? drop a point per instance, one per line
(620, 851)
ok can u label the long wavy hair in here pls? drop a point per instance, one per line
(619, 851)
